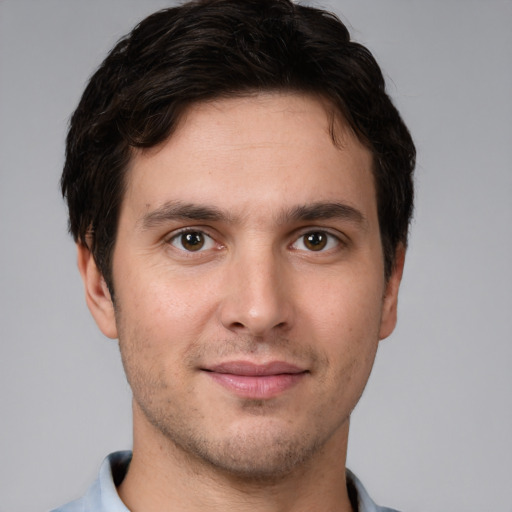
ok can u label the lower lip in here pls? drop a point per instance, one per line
(257, 387)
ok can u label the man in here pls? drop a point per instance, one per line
(239, 187)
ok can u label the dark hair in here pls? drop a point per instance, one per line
(220, 48)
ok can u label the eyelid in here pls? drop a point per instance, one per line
(339, 240)
(174, 235)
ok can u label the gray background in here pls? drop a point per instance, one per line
(433, 430)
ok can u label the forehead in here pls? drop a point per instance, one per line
(254, 152)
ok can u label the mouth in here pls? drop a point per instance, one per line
(256, 381)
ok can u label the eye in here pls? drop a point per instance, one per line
(316, 241)
(192, 241)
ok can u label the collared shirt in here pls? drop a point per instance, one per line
(102, 495)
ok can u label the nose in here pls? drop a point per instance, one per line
(257, 296)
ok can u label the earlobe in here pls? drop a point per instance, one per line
(97, 294)
(390, 300)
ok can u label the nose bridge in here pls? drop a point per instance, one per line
(256, 299)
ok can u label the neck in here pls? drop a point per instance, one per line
(163, 477)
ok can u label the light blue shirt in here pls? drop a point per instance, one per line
(102, 495)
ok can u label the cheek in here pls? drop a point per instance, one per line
(158, 321)
(345, 320)
(344, 307)
(150, 345)
(162, 301)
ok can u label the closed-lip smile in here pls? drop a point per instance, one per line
(256, 381)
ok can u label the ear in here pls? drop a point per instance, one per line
(97, 295)
(390, 300)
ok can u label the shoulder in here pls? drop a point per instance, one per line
(102, 494)
(361, 500)
(79, 505)
(74, 506)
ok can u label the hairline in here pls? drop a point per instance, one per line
(337, 124)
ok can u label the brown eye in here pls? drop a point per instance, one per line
(315, 241)
(192, 241)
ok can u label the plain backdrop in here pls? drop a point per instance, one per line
(433, 430)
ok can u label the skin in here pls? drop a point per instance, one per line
(260, 186)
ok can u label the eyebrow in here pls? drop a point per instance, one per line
(324, 211)
(177, 210)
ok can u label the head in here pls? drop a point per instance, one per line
(238, 177)
(214, 49)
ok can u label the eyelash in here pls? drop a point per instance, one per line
(178, 238)
(331, 240)
(326, 241)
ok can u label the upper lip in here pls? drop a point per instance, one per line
(248, 368)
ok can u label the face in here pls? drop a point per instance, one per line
(249, 282)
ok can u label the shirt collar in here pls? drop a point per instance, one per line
(102, 496)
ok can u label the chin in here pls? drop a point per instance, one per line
(264, 455)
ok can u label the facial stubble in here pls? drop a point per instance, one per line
(269, 450)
